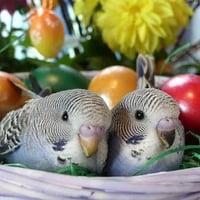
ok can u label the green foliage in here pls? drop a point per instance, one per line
(74, 170)
(8, 43)
(94, 55)
(192, 156)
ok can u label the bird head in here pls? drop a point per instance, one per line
(144, 112)
(75, 114)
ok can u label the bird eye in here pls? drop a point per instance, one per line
(139, 114)
(65, 116)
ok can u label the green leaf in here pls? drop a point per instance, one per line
(10, 43)
(174, 53)
(163, 154)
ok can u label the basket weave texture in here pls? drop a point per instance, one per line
(20, 183)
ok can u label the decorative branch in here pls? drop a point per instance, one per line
(194, 5)
(66, 16)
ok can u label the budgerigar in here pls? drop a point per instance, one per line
(144, 124)
(65, 127)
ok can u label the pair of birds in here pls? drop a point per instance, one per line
(77, 126)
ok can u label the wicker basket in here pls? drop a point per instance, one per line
(20, 183)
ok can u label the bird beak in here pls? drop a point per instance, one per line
(89, 144)
(89, 138)
(166, 129)
(167, 137)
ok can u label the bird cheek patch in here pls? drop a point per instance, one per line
(59, 146)
(135, 139)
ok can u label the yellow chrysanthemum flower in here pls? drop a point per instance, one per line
(132, 26)
(143, 26)
(181, 13)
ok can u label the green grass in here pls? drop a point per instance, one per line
(192, 156)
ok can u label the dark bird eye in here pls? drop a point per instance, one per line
(65, 116)
(139, 115)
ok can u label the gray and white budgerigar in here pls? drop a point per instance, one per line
(144, 124)
(65, 127)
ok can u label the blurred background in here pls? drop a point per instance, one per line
(86, 45)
